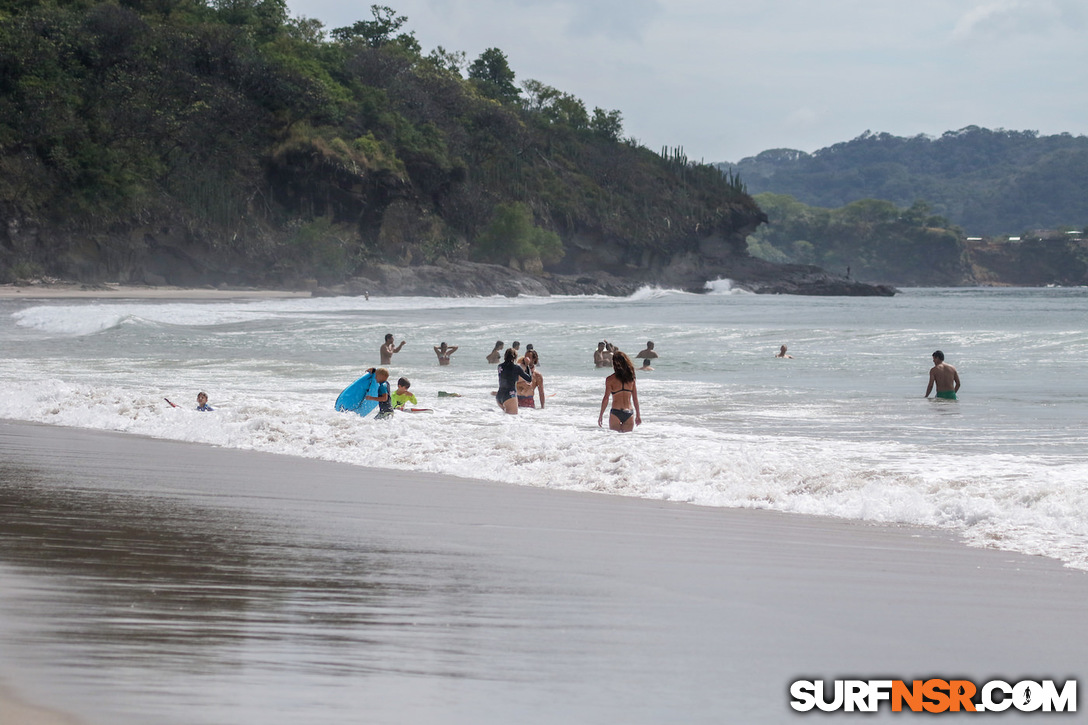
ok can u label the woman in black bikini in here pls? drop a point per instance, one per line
(509, 373)
(621, 386)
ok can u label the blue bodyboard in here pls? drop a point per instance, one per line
(353, 397)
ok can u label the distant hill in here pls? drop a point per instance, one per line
(986, 181)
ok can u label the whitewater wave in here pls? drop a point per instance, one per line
(67, 323)
(83, 319)
(722, 286)
(996, 501)
(649, 292)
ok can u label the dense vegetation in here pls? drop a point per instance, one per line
(988, 182)
(876, 240)
(225, 141)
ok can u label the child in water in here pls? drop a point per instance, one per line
(385, 408)
(201, 403)
(402, 396)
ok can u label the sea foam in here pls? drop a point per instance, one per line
(992, 501)
(841, 430)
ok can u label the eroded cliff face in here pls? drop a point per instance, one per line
(1033, 263)
(385, 220)
(679, 257)
(168, 252)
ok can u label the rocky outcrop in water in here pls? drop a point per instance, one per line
(470, 279)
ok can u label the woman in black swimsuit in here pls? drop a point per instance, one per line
(620, 385)
(509, 372)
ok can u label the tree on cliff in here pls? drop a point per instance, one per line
(380, 32)
(493, 76)
(607, 123)
(513, 237)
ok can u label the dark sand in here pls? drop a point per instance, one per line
(156, 582)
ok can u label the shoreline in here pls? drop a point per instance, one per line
(954, 535)
(475, 279)
(74, 290)
(718, 608)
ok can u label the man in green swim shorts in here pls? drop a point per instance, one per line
(944, 376)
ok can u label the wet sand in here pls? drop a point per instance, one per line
(154, 581)
(15, 712)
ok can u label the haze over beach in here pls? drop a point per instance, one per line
(727, 80)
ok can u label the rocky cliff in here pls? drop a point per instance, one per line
(176, 255)
(1034, 262)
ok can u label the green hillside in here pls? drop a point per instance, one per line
(228, 142)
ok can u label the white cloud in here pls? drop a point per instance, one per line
(979, 18)
(615, 19)
(1006, 18)
(803, 117)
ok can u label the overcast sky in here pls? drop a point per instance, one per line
(728, 79)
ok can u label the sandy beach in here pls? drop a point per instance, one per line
(430, 599)
(15, 712)
(73, 290)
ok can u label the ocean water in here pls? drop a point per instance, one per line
(840, 430)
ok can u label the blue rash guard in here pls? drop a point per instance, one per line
(384, 406)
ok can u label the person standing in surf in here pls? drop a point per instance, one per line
(443, 352)
(494, 356)
(525, 390)
(509, 374)
(620, 386)
(647, 355)
(944, 376)
(387, 349)
(602, 356)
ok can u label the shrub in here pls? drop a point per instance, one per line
(513, 239)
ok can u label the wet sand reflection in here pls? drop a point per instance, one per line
(136, 579)
(254, 586)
